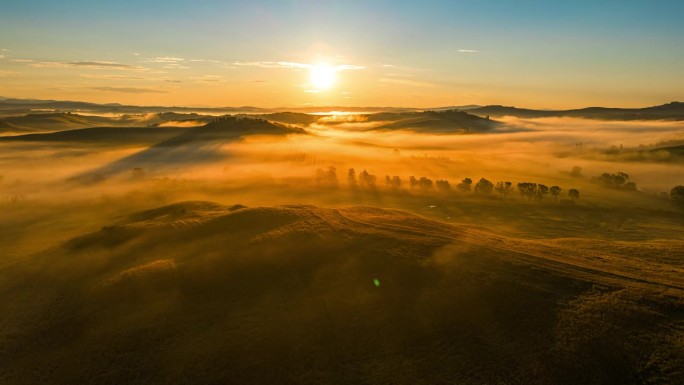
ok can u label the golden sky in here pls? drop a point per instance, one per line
(381, 53)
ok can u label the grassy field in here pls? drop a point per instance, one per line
(199, 292)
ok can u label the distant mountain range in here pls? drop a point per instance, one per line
(669, 111)
(12, 106)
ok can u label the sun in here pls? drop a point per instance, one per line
(322, 76)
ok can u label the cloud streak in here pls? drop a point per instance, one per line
(128, 90)
(288, 64)
(210, 79)
(95, 65)
(468, 51)
(164, 59)
(406, 82)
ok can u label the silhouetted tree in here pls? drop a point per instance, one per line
(327, 177)
(413, 182)
(464, 186)
(351, 177)
(425, 183)
(573, 193)
(555, 190)
(527, 190)
(576, 172)
(504, 188)
(388, 181)
(619, 181)
(484, 187)
(396, 182)
(541, 191)
(443, 186)
(677, 196)
(366, 179)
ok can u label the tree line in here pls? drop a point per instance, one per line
(527, 190)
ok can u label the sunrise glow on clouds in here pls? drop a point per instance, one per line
(402, 53)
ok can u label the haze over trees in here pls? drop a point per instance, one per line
(484, 187)
(573, 194)
(618, 181)
(677, 196)
(464, 186)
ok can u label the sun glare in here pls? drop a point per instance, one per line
(322, 76)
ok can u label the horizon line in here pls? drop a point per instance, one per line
(337, 107)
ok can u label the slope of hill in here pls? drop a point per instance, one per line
(53, 122)
(290, 118)
(220, 129)
(103, 135)
(56, 121)
(448, 121)
(6, 128)
(243, 125)
(198, 292)
(670, 111)
(189, 147)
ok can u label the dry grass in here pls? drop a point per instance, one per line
(287, 295)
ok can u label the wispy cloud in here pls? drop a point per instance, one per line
(288, 64)
(176, 66)
(95, 65)
(128, 90)
(112, 77)
(208, 79)
(7, 73)
(468, 51)
(169, 62)
(270, 64)
(164, 59)
(406, 82)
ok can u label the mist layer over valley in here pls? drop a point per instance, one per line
(399, 246)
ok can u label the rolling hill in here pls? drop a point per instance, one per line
(448, 121)
(103, 135)
(670, 111)
(187, 148)
(62, 121)
(219, 129)
(199, 292)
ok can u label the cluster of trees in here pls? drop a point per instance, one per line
(365, 179)
(527, 190)
(327, 177)
(617, 181)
